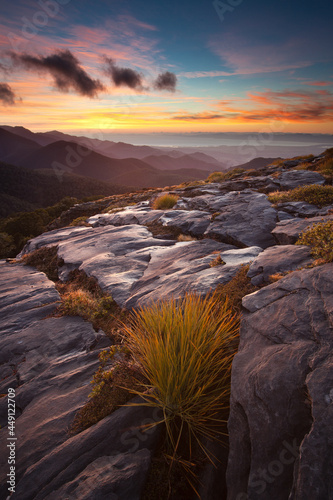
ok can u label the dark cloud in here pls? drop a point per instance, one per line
(166, 81)
(7, 96)
(123, 76)
(199, 116)
(65, 68)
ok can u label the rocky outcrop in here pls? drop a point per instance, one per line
(276, 260)
(49, 362)
(281, 403)
(280, 423)
(288, 231)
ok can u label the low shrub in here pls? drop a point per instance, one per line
(82, 296)
(225, 176)
(185, 348)
(165, 202)
(46, 260)
(313, 194)
(320, 238)
(216, 177)
(113, 386)
(233, 291)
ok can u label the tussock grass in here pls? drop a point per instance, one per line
(165, 201)
(185, 348)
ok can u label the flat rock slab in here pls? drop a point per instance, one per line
(25, 296)
(246, 218)
(303, 209)
(295, 178)
(278, 259)
(287, 232)
(187, 267)
(280, 424)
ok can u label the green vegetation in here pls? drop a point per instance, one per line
(24, 189)
(20, 227)
(165, 202)
(185, 348)
(320, 238)
(313, 194)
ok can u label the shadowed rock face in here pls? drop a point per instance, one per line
(49, 362)
(280, 423)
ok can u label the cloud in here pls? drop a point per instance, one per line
(65, 69)
(123, 76)
(199, 116)
(241, 56)
(7, 96)
(287, 105)
(166, 81)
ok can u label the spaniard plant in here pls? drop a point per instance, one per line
(185, 349)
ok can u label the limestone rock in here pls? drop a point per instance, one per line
(280, 423)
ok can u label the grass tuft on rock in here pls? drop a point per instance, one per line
(185, 348)
(165, 202)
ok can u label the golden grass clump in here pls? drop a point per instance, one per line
(185, 348)
(165, 201)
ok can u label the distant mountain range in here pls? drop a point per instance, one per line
(38, 169)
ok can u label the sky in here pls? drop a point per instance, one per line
(178, 66)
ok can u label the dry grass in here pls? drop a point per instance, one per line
(165, 202)
(82, 296)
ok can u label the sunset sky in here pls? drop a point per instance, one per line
(179, 66)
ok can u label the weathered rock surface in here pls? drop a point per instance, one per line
(296, 178)
(186, 267)
(246, 219)
(287, 232)
(278, 259)
(280, 423)
(50, 361)
(133, 266)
